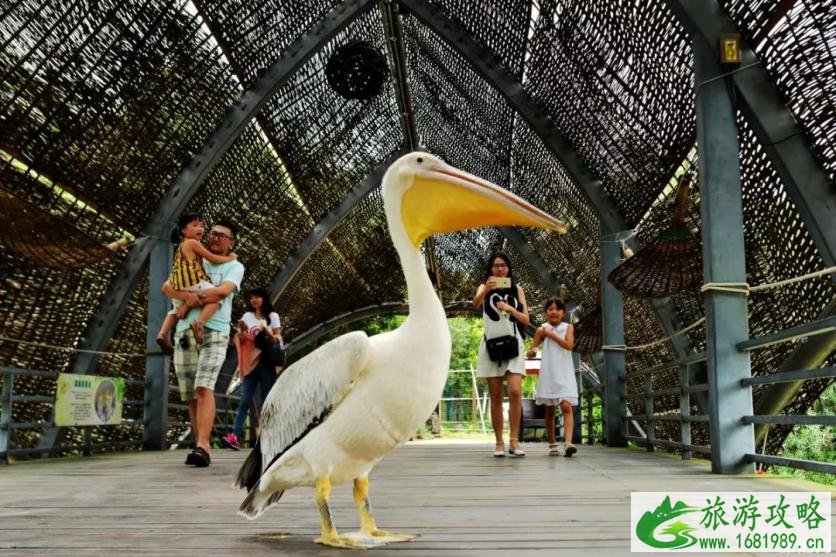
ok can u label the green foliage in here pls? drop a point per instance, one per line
(813, 442)
(372, 326)
(465, 334)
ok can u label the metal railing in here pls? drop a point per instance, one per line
(684, 390)
(8, 398)
(479, 414)
(802, 331)
(590, 398)
(478, 403)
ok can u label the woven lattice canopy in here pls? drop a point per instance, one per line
(118, 101)
(588, 332)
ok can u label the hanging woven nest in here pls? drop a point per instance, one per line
(357, 70)
(670, 263)
(588, 332)
(46, 240)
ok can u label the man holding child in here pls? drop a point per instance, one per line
(197, 365)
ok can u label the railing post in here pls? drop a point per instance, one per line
(581, 399)
(6, 417)
(648, 411)
(577, 415)
(474, 405)
(87, 446)
(684, 410)
(155, 413)
(615, 391)
(724, 261)
(590, 426)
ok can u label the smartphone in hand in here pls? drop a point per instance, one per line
(502, 282)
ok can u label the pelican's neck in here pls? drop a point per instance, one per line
(419, 288)
(423, 301)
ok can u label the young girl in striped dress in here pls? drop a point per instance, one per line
(556, 385)
(187, 273)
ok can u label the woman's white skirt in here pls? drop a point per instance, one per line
(487, 368)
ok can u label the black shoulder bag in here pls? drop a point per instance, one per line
(272, 352)
(502, 348)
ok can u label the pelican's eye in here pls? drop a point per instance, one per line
(420, 160)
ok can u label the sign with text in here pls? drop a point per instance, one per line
(88, 400)
(719, 522)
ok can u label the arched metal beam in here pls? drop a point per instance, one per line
(109, 313)
(394, 44)
(548, 277)
(324, 227)
(781, 137)
(389, 308)
(489, 66)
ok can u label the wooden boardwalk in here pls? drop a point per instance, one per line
(455, 495)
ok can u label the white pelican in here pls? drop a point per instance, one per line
(335, 413)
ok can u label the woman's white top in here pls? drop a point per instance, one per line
(251, 321)
(499, 324)
(557, 371)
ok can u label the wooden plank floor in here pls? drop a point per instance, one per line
(460, 499)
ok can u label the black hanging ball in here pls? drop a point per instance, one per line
(357, 70)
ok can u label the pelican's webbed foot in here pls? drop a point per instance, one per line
(329, 535)
(345, 542)
(380, 537)
(369, 530)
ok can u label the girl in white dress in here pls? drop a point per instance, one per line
(556, 385)
(504, 314)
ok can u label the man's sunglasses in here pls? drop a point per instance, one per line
(214, 234)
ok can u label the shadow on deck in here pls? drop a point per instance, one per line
(454, 494)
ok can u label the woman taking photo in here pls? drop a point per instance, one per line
(259, 336)
(501, 352)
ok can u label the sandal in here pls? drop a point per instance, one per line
(499, 450)
(165, 345)
(515, 452)
(554, 449)
(199, 458)
(570, 450)
(197, 329)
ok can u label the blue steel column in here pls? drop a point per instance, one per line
(727, 321)
(155, 418)
(6, 417)
(612, 316)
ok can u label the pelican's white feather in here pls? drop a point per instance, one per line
(308, 390)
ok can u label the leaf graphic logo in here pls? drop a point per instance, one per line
(681, 532)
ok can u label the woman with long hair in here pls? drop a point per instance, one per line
(501, 352)
(258, 330)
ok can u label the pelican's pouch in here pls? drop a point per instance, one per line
(501, 349)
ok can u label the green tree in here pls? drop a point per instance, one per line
(813, 442)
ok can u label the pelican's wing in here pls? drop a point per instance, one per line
(308, 390)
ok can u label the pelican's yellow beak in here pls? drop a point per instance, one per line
(445, 199)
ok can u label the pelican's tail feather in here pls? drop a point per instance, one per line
(250, 471)
(258, 501)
